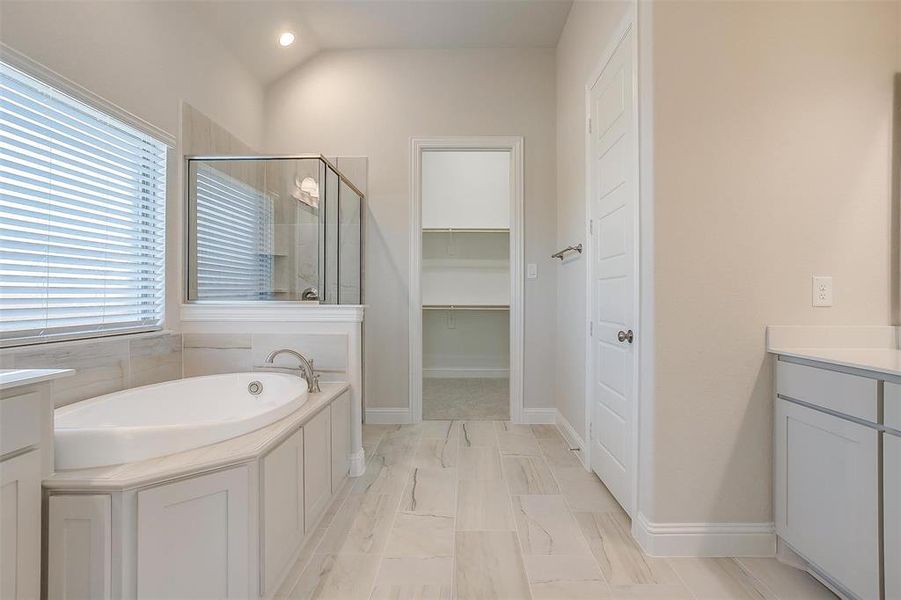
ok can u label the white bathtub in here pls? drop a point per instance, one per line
(161, 419)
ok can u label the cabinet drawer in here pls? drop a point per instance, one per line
(893, 405)
(847, 394)
(20, 422)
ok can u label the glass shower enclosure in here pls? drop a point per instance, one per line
(273, 228)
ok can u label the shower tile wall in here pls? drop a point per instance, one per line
(211, 353)
(102, 366)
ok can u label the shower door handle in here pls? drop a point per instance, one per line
(625, 336)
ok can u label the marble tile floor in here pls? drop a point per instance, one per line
(466, 398)
(492, 510)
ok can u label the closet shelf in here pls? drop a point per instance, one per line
(465, 307)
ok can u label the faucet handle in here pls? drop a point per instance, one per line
(314, 384)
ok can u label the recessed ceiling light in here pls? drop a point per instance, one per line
(286, 39)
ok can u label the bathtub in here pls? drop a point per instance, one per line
(165, 418)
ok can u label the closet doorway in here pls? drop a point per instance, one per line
(466, 289)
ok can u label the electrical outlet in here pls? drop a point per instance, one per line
(822, 290)
(532, 271)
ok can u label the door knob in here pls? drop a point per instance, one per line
(625, 336)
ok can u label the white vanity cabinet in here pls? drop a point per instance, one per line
(340, 419)
(20, 526)
(79, 547)
(891, 468)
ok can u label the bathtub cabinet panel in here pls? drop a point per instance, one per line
(20, 526)
(194, 538)
(317, 467)
(79, 547)
(282, 485)
(340, 440)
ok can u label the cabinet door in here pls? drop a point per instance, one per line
(79, 543)
(20, 526)
(827, 494)
(193, 538)
(340, 440)
(892, 504)
(317, 467)
(282, 486)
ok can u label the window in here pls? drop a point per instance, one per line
(234, 238)
(82, 218)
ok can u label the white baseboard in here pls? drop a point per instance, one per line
(387, 416)
(705, 539)
(539, 416)
(466, 373)
(572, 438)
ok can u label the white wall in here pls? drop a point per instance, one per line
(370, 103)
(587, 33)
(771, 162)
(142, 56)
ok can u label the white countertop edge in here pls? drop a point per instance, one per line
(886, 361)
(13, 378)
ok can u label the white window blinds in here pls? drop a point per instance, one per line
(234, 238)
(82, 216)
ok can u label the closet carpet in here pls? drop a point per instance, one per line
(474, 399)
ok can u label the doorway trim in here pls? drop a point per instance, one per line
(514, 145)
(628, 23)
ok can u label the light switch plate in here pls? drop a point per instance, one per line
(822, 290)
(532, 271)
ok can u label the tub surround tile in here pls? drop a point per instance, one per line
(328, 351)
(569, 577)
(215, 361)
(431, 491)
(546, 526)
(217, 341)
(155, 359)
(528, 475)
(489, 565)
(483, 506)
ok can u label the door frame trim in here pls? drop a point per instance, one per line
(514, 145)
(629, 23)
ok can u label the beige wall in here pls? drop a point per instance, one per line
(370, 103)
(771, 162)
(587, 33)
(144, 57)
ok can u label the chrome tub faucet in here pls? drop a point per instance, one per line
(306, 367)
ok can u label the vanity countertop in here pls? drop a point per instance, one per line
(883, 361)
(228, 452)
(11, 378)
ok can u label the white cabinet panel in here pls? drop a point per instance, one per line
(839, 392)
(317, 467)
(20, 526)
(892, 506)
(340, 418)
(79, 547)
(893, 405)
(827, 494)
(193, 538)
(283, 531)
(20, 422)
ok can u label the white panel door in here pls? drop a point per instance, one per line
(892, 504)
(193, 538)
(79, 547)
(613, 293)
(283, 530)
(827, 494)
(20, 527)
